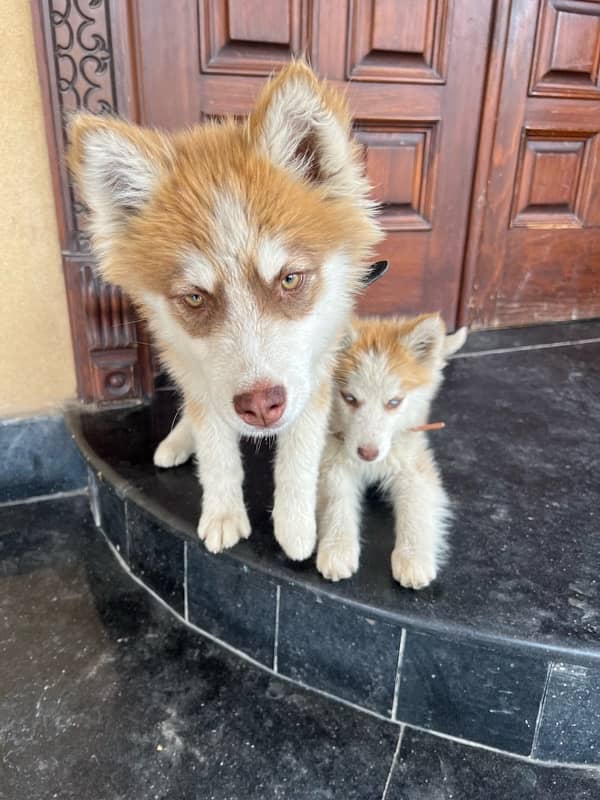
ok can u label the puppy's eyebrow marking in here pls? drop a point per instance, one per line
(197, 271)
(232, 229)
(271, 258)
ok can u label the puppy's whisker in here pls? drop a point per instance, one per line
(176, 417)
(127, 324)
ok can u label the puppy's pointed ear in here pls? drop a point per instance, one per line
(425, 338)
(117, 167)
(304, 127)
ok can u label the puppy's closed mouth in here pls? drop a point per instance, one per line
(252, 432)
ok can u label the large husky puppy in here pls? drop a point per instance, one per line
(243, 244)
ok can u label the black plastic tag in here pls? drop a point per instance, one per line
(375, 272)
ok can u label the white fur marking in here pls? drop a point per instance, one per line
(272, 257)
(198, 272)
(232, 233)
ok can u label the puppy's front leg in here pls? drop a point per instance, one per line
(338, 522)
(421, 511)
(224, 520)
(178, 446)
(299, 451)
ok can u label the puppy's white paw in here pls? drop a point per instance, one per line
(171, 453)
(223, 530)
(296, 534)
(337, 561)
(413, 572)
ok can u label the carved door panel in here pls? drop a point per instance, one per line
(83, 63)
(536, 255)
(414, 72)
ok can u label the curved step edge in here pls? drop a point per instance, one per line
(308, 640)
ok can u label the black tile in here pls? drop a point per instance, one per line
(156, 556)
(105, 696)
(37, 536)
(431, 768)
(334, 647)
(470, 690)
(569, 727)
(531, 336)
(111, 513)
(232, 602)
(39, 457)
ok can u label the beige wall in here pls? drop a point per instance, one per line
(36, 362)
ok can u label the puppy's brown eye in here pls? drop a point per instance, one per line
(291, 281)
(394, 402)
(194, 300)
(349, 398)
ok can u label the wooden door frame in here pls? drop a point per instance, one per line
(84, 61)
(468, 314)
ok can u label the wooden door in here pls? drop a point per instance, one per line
(414, 72)
(534, 253)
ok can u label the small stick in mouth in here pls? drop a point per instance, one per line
(431, 426)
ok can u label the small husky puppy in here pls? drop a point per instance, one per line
(387, 374)
(243, 244)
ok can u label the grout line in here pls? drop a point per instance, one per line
(394, 762)
(540, 713)
(521, 348)
(28, 419)
(127, 537)
(94, 498)
(491, 749)
(40, 498)
(329, 695)
(276, 643)
(186, 612)
(401, 647)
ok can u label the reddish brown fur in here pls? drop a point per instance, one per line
(200, 321)
(388, 337)
(201, 163)
(273, 299)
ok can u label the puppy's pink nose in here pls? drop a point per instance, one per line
(262, 406)
(368, 453)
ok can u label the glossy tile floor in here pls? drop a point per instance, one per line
(103, 696)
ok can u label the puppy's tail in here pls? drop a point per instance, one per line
(455, 341)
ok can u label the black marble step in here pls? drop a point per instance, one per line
(104, 696)
(503, 650)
